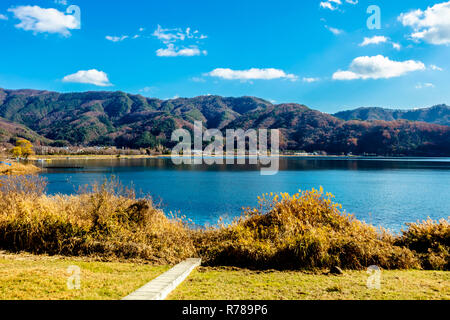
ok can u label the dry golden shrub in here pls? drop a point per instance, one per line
(17, 168)
(105, 221)
(430, 241)
(306, 230)
(303, 231)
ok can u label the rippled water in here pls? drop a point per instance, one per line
(386, 192)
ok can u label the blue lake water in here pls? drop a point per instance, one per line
(384, 192)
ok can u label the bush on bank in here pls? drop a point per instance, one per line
(302, 231)
(105, 221)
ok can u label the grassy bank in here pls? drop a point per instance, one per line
(243, 284)
(31, 277)
(305, 231)
(28, 277)
(17, 168)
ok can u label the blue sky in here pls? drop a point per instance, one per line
(319, 53)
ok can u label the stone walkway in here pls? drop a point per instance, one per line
(159, 288)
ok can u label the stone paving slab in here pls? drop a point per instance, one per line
(160, 287)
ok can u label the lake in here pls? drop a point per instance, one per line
(384, 192)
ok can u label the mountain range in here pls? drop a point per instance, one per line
(439, 114)
(133, 121)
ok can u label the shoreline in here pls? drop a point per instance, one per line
(17, 168)
(130, 157)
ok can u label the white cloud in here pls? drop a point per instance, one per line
(124, 37)
(93, 76)
(198, 79)
(424, 85)
(328, 5)
(431, 25)
(436, 68)
(172, 36)
(177, 34)
(396, 46)
(335, 31)
(148, 90)
(169, 35)
(3, 17)
(373, 40)
(334, 4)
(41, 20)
(310, 80)
(377, 67)
(171, 51)
(251, 74)
(379, 39)
(116, 39)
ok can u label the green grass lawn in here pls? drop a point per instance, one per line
(27, 277)
(230, 284)
(30, 277)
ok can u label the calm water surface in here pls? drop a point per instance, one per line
(385, 192)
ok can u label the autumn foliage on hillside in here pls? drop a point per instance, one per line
(133, 121)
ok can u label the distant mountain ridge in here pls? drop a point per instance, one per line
(133, 121)
(439, 114)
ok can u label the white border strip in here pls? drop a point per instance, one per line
(160, 287)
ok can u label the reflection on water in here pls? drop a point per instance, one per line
(387, 192)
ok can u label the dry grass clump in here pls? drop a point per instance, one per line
(430, 240)
(17, 168)
(303, 231)
(106, 221)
